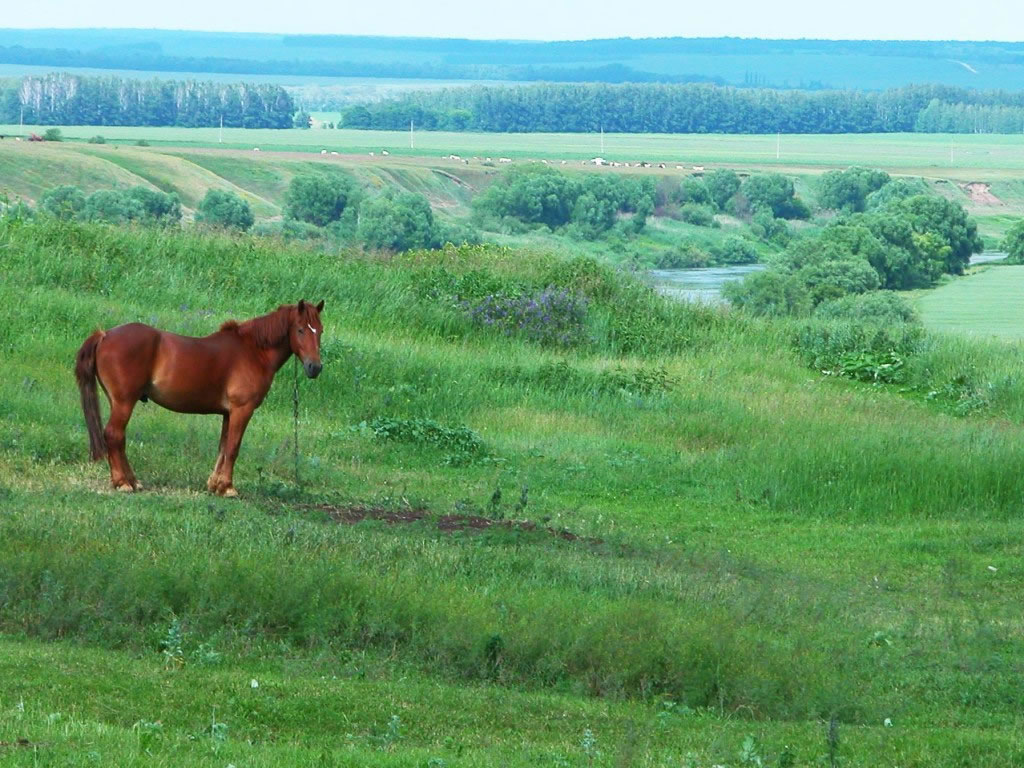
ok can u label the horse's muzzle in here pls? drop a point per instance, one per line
(312, 369)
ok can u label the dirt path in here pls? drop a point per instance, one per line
(350, 515)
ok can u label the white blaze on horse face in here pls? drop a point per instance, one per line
(311, 328)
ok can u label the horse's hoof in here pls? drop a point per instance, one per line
(230, 493)
(138, 486)
(125, 488)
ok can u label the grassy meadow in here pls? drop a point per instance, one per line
(741, 550)
(987, 303)
(998, 153)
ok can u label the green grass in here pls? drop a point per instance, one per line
(939, 152)
(988, 303)
(775, 547)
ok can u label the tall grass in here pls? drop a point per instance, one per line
(763, 528)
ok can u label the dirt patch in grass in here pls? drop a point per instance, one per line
(350, 515)
(980, 193)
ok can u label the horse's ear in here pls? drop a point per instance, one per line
(320, 306)
(302, 304)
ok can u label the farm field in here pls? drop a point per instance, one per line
(963, 153)
(743, 550)
(989, 303)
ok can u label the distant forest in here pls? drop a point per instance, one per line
(62, 99)
(797, 64)
(649, 108)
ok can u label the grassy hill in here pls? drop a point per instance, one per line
(190, 161)
(740, 550)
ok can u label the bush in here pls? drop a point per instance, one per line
(848, 190)
(64, 202)
(112, 206)
(225, 209)
(735, 250)
(554, 317)
(698, 215)
(722, 184)
(774, 192)
(863, 351)
(397, 222)
(97, 140)
(158, 207)
(319, 199)
(1013, 244)
(694, 190)
(53, 134)
(771, 292)
(881, 307)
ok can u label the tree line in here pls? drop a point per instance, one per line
(692, 108)
(65, 99)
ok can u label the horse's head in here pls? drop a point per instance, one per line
(304, 336)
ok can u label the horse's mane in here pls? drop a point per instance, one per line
(265, 331)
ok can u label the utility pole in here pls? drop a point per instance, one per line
(220, 136)
(778, 145)
(412, 140)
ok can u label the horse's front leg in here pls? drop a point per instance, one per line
(237, 421)
(214, 481)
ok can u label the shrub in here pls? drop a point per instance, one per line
(53, 134)
(97, 140)
(694, 190)
(554, 317)
(113, 206)
(1013, 243)
(158, 207)
(64, 202)
(698, 215)
(225, 209)
(464, 444)
(864, 351)
(319, 199)
(848, 190)
(881, 307)
(397, 222)
(735, 250)
(722, 184)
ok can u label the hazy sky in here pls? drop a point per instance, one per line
(546, 19)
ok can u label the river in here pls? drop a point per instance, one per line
(704, 284)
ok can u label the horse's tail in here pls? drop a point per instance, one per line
(85, 372)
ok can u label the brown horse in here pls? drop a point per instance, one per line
(228, 372)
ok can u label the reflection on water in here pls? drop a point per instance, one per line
(705, 284)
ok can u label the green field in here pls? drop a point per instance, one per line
(753, 549)
(987, 303)
(941, 152)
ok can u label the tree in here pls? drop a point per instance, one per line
(303, 120)
(113, 206)
(949, 221)
(397, 222)
(722, 184)
(1013, 243)
(64, 202)
(158, 207)
(694, 190)
(319, 199)
(223, 208)
(774, 192)
(848, 190)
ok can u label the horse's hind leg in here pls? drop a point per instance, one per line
(121, 475)
(213, 483)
